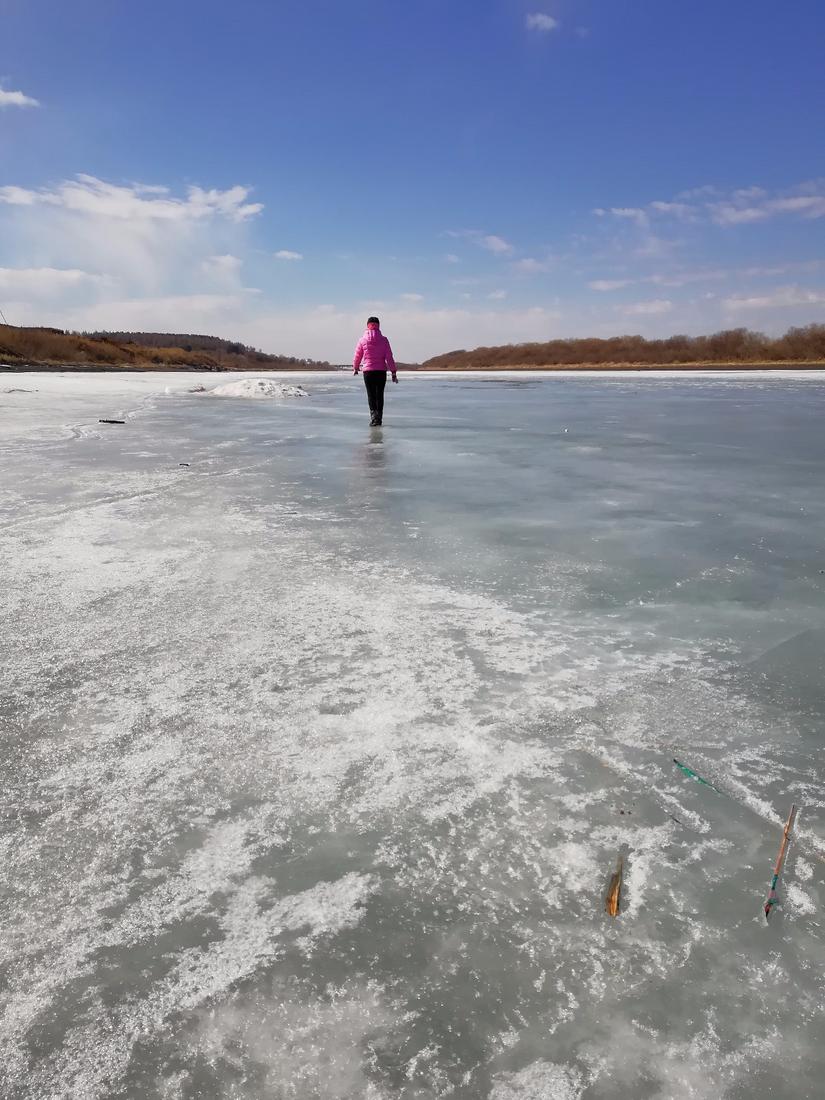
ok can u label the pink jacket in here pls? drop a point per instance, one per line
(373, 351)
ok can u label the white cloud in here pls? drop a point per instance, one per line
(642, 217)
(451, 258)
(684, 278)
(681, 210)
(746, 205)
(285, 254)
(16, 99)
(135, 202)
(706, 191)
(47, 282)
(652, 247)
(497, 295)
(221, 265)
(538, 21)
(782, 269)
(495, 244)
(675, 279)
(223, 273)
(609, 284)
(146, 239)
(214, 313)
(529, 266)
(725, 213)
(782, 298)
(489, 241)
(746, 193)
(631, 213)
(646, 309)
(741, 206)
(17, 196)
(806, 206)
(412, 297)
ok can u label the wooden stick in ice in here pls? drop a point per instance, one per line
(614, 890)
(780, 861)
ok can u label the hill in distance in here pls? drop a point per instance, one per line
(737, 348)
(51, 348)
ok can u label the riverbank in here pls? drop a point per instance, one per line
(148, 368)
(163, 368)
(788, 364)
(53, 349)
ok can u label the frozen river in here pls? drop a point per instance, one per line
(318, 753)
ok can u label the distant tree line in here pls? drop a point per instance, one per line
(188, 341)
(176, 351)
(733, 346)
(192, 342)
(137, 350)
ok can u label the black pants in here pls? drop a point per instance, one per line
(375, 381)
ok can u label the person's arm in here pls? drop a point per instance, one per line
(389, 361)
(359, 355)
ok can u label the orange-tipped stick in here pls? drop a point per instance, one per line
(780, 861)
(614, 890)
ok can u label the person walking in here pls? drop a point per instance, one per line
(374, 354)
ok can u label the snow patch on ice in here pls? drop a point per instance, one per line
(98, 1052)
(304, 1046)
(801, 902)
(251, 930)
(804, 869)
(540, 1081)
(258, 387)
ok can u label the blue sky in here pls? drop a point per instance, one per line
(476, 172)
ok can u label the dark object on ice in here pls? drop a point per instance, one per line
(613, 899)
(689, 771)
(183, 464)
(780, 860)
(111, 421)
(673, 817)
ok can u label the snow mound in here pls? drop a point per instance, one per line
(257, 387)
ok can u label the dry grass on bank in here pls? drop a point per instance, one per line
(47, 348)
(733, 349)
(799, 364)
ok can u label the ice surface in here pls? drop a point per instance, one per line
(318, 752)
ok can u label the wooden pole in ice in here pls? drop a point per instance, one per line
(780, 861)
(614, 891)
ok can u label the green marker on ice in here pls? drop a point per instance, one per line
(693, 775)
